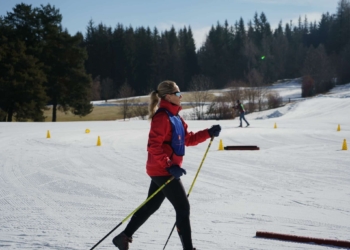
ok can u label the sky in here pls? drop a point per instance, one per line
(200, 15)
(66, 193)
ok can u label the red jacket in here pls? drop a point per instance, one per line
(159, 153)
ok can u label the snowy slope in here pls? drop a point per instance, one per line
(67, 193)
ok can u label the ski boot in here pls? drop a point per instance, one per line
(122, 241)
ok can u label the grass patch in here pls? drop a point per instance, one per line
(99, 113)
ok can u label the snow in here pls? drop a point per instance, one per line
(290, 89)
(67, 193)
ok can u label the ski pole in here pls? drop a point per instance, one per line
(133, 212)
(194, 180)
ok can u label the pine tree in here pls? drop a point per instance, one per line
(22, 93)
(68, 86)
(240, 61)
(188, 56)
(323, 35)
(120, 65)
(143, 61)
(21, 82)
(59, 54)
(129, 51)
(341, 26)
(340, 33)
(280, 52)
(156, 78)
(174, 69)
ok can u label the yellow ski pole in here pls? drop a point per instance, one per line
(133, 212)
(194, 180)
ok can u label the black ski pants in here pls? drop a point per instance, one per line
(175, 193)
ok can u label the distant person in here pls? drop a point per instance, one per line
(241, 111)
(167, 139)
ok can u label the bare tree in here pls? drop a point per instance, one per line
(235, 91)
(200, 86)
(140, 109)
(125, 92)
(256, 91)
(274, 100)
(220, 109)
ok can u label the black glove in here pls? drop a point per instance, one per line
(214, 130)
(176, 171)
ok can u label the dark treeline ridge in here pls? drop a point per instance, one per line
(139, 57)
(41, 63)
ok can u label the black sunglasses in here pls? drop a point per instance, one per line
(177, 93)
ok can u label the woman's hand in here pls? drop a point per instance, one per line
(176, 171)
(214, 130)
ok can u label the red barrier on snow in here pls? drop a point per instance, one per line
(288, 237)
(241, 148)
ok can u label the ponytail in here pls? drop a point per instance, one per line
(152, 107)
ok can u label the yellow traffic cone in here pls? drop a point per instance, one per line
(48, 134)
(338, 129)
(221, 146)
(275, 126)
(98, 141)
(345, 147)
(87, 131)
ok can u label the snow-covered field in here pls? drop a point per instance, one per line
(67, 193)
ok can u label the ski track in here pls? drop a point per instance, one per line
(66, 193)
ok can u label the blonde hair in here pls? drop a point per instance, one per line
(164, 88)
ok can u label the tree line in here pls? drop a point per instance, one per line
(250, 53)
(42, 64)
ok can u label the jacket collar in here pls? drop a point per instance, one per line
(174, 109)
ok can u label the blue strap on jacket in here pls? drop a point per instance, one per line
(178, 133)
